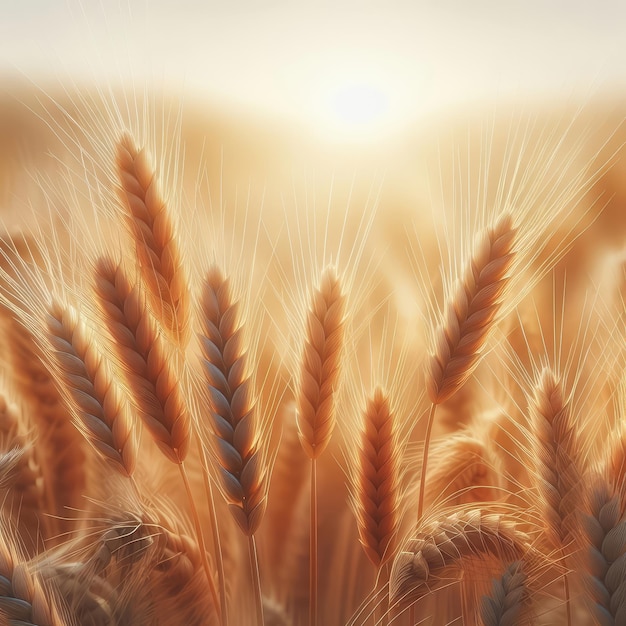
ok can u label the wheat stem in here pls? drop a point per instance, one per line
(427, 437)
(199, 536)
(313, 548)
(256, 580)
(217, 544)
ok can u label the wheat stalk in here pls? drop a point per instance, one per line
(92, 396)
(508, 596)
(468, 317)
(425, 563)
(240, 458)
(315, 397)
(144, 359)
(155, 239)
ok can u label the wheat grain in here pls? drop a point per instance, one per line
(155, 239)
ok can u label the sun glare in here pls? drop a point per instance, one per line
(356, 111)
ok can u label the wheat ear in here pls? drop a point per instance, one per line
(377, 496)
(155, 239)
(321, 363)
(426, 561)
(605, 529)
(315, 397)
(470, 312)
(508, 596)
(144, 359)
(241, 461)
(468, 317)
(21, 473)
(23, 599)
(92, 396)
(557, 452)
(59, 444)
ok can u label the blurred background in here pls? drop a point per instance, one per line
(350, 70)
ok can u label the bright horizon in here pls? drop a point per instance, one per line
(344, 68)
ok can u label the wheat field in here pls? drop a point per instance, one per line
(248, 379)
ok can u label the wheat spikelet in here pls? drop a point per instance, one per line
(377, 497)
(241, 462)
(321, 364)
(145, 360)
(423, 563)
(557, 454)
(101, 416)
(470, 311)
(508, 596)
(605, 528)
(155, 239)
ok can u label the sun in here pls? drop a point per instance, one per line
(355, 111)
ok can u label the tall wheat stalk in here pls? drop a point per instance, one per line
(241, 461)
(315, 397)
(469, 315)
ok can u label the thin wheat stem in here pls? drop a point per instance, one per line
(256, 579)
(313, 548)
(217, 544)
(427, 437)
(200, 536)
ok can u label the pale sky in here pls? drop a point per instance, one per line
(315, 60)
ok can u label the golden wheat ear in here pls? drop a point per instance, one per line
(228, 382)
(156, 243)
(91, 392)
(557, 457)
(471, 311)
(425, 562)
(145, 360)
(377, 495)
(321, 364)
(60, 452)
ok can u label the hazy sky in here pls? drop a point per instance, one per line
(298, 58)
